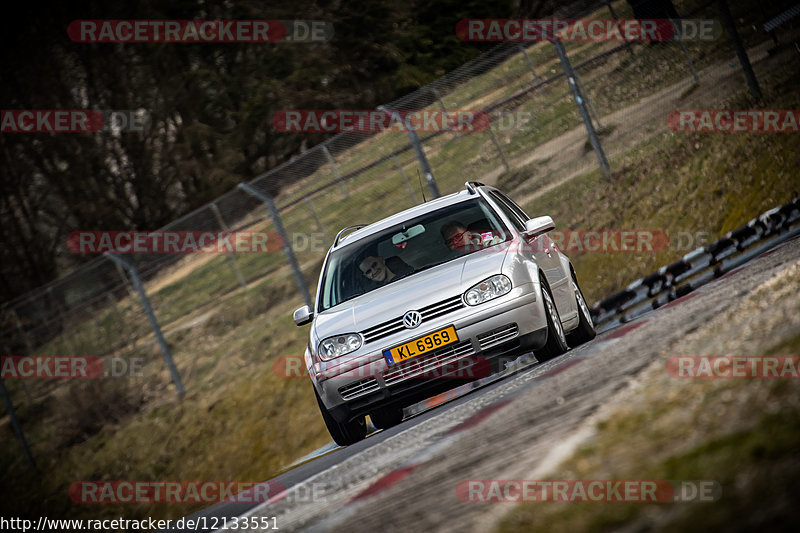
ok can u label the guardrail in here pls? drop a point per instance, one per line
(699, 267)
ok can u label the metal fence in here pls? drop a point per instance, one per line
(536, 94)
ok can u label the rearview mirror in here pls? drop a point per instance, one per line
(537, 226)
(410, 233)
(303, 316)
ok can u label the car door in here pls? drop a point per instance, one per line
(544, 253)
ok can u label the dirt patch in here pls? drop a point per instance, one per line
(565, 157)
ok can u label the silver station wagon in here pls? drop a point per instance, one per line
(420, 301)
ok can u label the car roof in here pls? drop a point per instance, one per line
(413, 212)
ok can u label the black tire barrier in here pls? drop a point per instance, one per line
(699, 267)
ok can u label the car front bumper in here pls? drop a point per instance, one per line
(513, 324)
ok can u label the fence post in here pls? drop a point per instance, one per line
(310, 205)
(423, 161)
(336, 172)
(685, 52)
(229, 256)
(614, 16)
(744, 60)
(589, 104)
(28, 351)
(438, 97)
(55, 304)
(536, 78)
(22, 332)
(287, 244)
(420, 153)
(587, 121)
(12, 414)
(28, 348)
(148, 310)
(125, 280)
(497, 145)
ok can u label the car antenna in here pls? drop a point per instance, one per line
(421, 189)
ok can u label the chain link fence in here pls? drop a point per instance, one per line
(537, 139)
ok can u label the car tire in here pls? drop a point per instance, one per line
(556, 339)
(585, 330)
(386, 417)
(343, 433)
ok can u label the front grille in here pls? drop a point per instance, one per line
(396, 324)
(358, 389)
(417, 367)
(497, 336)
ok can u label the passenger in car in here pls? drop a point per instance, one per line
(382, 271)
(458, 238)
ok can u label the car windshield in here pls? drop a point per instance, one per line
(408, 248)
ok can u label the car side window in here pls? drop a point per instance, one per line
(514, 207)
(519, 224)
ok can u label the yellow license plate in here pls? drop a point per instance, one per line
(428, 343)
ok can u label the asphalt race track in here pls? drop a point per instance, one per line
(517, 428)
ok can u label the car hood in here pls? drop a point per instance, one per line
(414, 292)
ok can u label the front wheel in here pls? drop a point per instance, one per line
(585, 330)
(343, 433)
(556, 340)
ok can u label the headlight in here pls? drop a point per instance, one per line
(488, 289)
(339, 345)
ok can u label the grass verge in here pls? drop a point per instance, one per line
(742, 434)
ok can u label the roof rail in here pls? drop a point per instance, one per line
(339, 235)
(470, 185)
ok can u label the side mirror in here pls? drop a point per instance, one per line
(303, 316)
(536, 226)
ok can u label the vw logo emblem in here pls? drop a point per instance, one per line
(412, 319)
